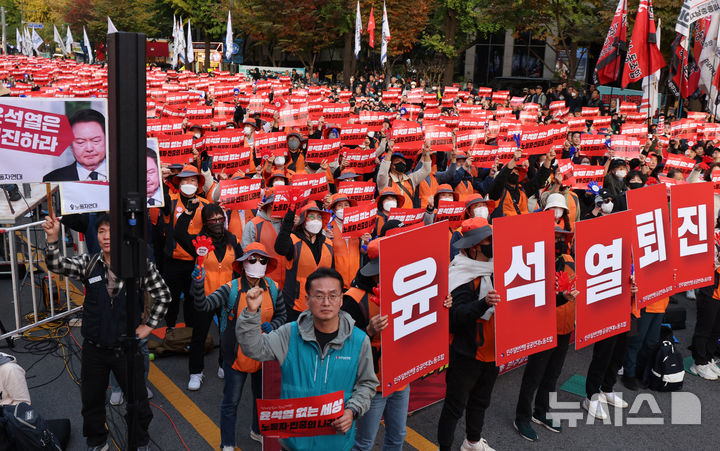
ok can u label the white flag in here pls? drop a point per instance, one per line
(190, 50)
(88, 48)
(111, 26)
(175, 42)
(229, 39)
(18, 40)
(691, 11)
(708, 60)
(358, 30)
(37, 41)
(651, 85)
(27, 42)
(181, 41)
(69, 41)
(58, 40)
(385, 37)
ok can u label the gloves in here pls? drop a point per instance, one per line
(198, 273)
(266, 327)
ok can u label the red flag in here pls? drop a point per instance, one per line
(644, 57)
(608, 65)
(371, 27)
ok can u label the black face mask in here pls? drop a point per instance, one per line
(314, 166)
(513, 178)
(401, 167)
(216, 229)
(635, 185)
(487, 250)
(561, 248)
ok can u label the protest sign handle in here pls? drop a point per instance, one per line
(48, 188)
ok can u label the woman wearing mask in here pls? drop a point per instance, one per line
(305, 249)
(557, 204)
(603, 205)
(217, 270)
(476, 206)
(614, 181)
(348, 251)
(231, 297)
(386, 201)
(295, 143)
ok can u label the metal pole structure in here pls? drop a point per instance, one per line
(4, 30)
(690, 33)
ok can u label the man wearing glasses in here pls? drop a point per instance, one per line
(88, 148)
(322, 352)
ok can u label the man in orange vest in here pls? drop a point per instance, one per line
(511, 192)
(348, 251)
(392, 173)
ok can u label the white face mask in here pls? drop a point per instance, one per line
(279, 182)
(388, 204)
(197, 135)
(188, 189)
(255, 270)
(481, 212)
(279, 161)
(248, 130)
(620, 174)
(558, 212)
(446, 199)
(314, 226)
(340, 213)
(607, 207)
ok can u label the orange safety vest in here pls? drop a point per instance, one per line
(464, 189)
(428, 188)
(176, 209)
(237, 221)
(347, 256)
(508, 206)
(302, 265)
(486, 352)
(265, 233)
(565, 314)
(217, 272)
(408, 192)
(242, 362)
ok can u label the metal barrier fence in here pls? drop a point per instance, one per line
(30, 255)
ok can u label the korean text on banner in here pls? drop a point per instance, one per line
(692, 246)
(651, 233)
(525, 319)
(416, 340)
(359, 220)
(358, 191)
(317, 183)
(300, 417)
(602, 276)
(241, 194)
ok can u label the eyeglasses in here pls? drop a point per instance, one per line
(253, 260)
(332, 297)
(215, 220)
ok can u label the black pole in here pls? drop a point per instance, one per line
(128, 204)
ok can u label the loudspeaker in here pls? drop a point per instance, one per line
(127, 133)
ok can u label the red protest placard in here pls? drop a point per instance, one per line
(361, 161)
(293, 115)
(464, 140)
(34, 131)
(601, 121)
(176, 149)
(484, 156)
(680, 162)
(590, 111)
(241, 194)
(359, 220)
(650, 230)
(692, 244)
(334, 111)
(471, 122)
(593, 145)
(450, 211)
(353, 135)
(407, 216)
(273, 143)
(637, 130)
(627, 147)
(358, 191)
(416, 340)
(284, 195)
(407, 135)
(715, 179)
(584, 174)
(602, 276)
(300, 417)
(566, 170)
(576, 124)
(439, 138)
(319, 150)
(317, 183)
(223, 140)
(229, 161)
(198, 112)
(525, 321)
(541, 139)
(168, 127)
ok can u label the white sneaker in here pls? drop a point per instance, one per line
(221, 373)
(255, 436)
(690, 294)
(595, 408)
(149, 393)
(704, 371)
(714, 366)
(116, 398)
(482, 445)
(228, 448)
(612, 399)
(196, 381)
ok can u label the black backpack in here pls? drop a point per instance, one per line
(26, 429)
(668, 370)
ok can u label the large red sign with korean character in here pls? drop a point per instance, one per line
(524, 252)
(241, 194)
(692, 244)
(34, 131)
(602, 276)
(650, 230)
(413, 287)
(300, 417)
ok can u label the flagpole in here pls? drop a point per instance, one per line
(680, 106)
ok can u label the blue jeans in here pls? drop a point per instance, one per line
(232, 392)
(394, 408)
(641, 347)
(143, 346)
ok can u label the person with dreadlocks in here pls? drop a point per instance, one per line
(218, 270)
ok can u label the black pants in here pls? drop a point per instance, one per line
(707, 329)
(469, 385)
(201, 327)
(541, 374)
(96, 366)
(607, 358)
(177, 277)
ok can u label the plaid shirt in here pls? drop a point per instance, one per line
(78, 268)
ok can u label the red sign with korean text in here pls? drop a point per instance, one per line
(692, 244)
(319, 150)
(439, 138)
(241, 194)
(484, 156)
(175, 149)
(450, 211)
(360, 161)
(273, 143)
(602, 276)
(413, 287)
(286, 195)
(524, 252)
(230, 161)
(317, 183)
(300, 417)
(359, 220)
(680, 162)
(585, 174)
(407, 135)
(650, 230)
(407, 216)
(358, 191)
(34, 131)
(542, 138)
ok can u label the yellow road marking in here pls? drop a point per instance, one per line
(206, 427)
(419, 442)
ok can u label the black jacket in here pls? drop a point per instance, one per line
(464, 315)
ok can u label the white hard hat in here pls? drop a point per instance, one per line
(556, 200)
